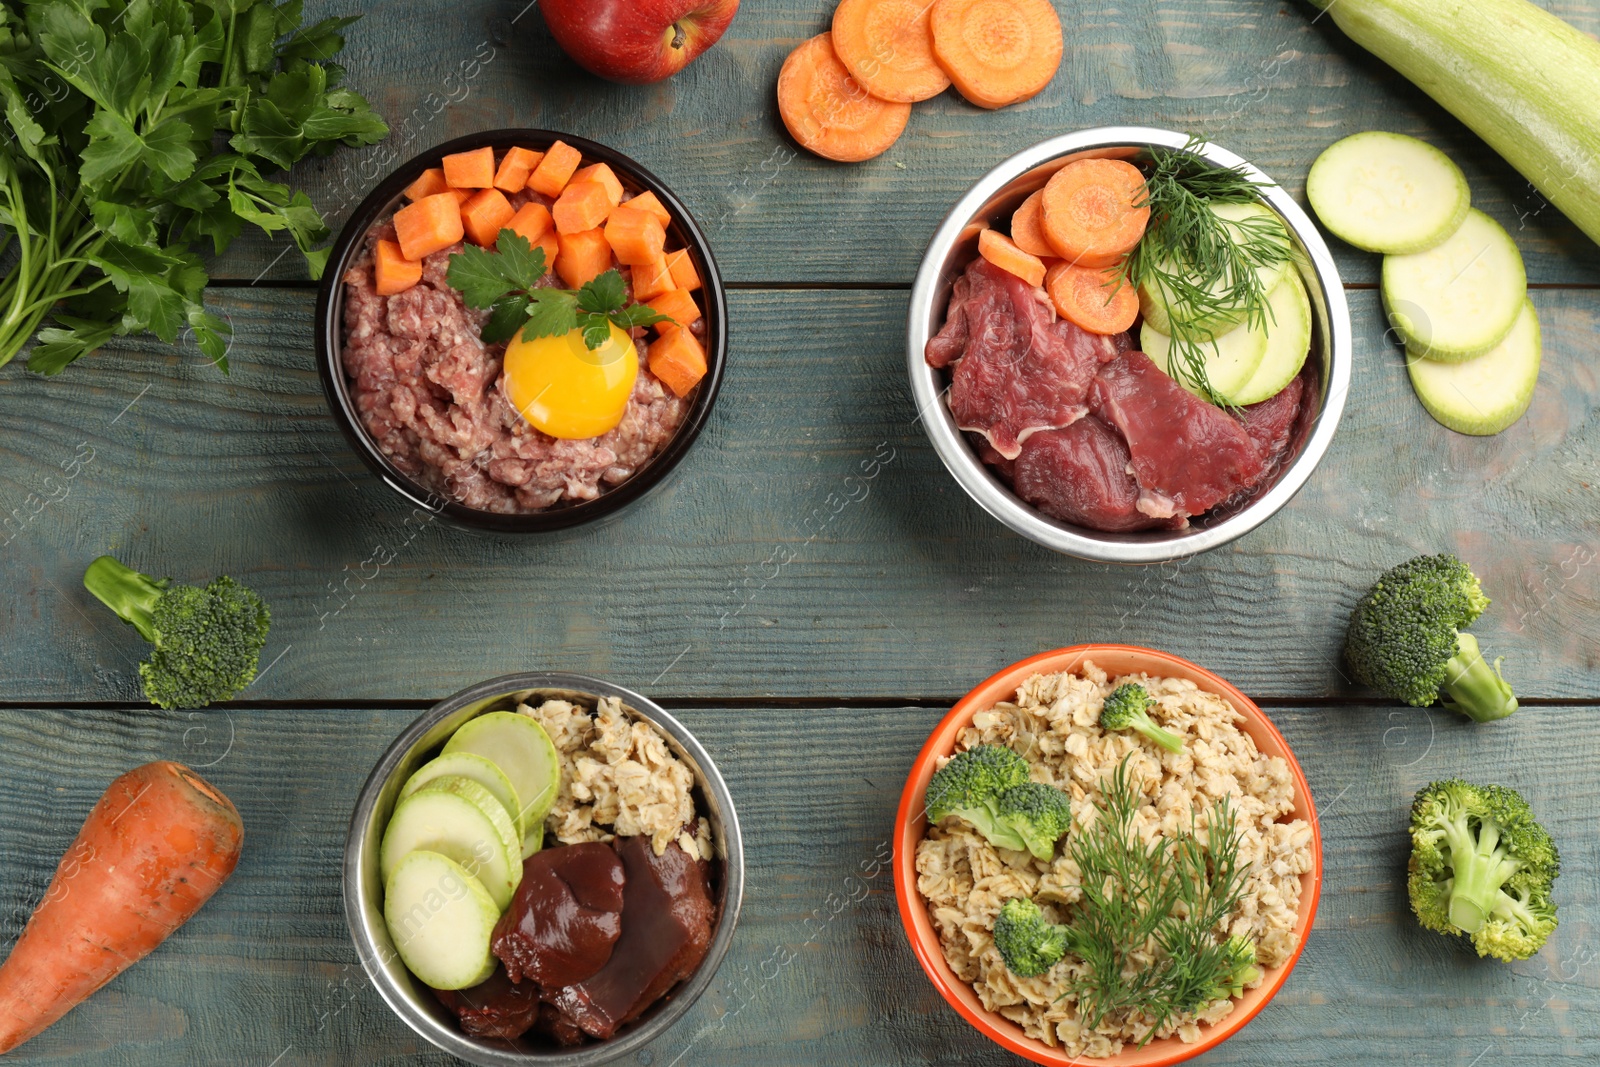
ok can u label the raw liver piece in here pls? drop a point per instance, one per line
(494, 1007)
(1186, 453)
(1017, 368)
(666, 929)
(1080, 474)
(565, 918)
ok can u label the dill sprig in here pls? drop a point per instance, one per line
(1147, 926)
(1201, 266)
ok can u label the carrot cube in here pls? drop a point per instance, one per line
(581, 206)
(652, 279)
(677, 305)
(684, 274)
(555, 169)
(515, 166)
(428, 225)
(648, 201)
(603, 174)
(533, 222)
(392, 272)
(1003, 253)
(584, 257)
(430, 182)
(470, 170)
(483, 216)
(678, 360)
(636, 237)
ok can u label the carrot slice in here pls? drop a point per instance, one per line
(648, 201)
(427, 225)
(1098, 299)
(1027, 229)
(155, 847)
(583, 257)
(392, 272)
(599, 172)
(428, 183)
(1094, 211)
(650, 280)
(555, 169)
(635, 236)
(828, 112)
(581, 206)
(470, 170)
(997, 53)
(887, 46)
(484, 215)
(684, 274)
(678, 360)
(533, 221)
(999, 250)
(515, 167)
(677, 305)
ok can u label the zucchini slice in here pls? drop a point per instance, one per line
(441, 921)
(1460, 298)
(459, 819)
(1231, 358)
(1288, 342)
(1386, 192)
(1484, 395)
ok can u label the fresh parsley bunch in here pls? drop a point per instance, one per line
(138, 129)
(507, 282)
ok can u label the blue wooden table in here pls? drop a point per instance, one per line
(810, 635)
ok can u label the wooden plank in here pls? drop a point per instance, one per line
(1260, 78)
(267, 969)
(773, 563)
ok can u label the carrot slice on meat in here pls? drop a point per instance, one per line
(581, 206)
(515, 166)
(677, 305)
(1094, 211)
(428, 225)
(997, 52)
(678, 360)
(1027, 229)
(392, 272)
(599, 172)
(684, 274)
(533, 221)
(583, 257)
(887, 47)
(652, 279)
(999, 250)
(470, 170)
(429, 183)
(484, 215)
(1098, 299)
(828, 112)
(648, 201)
(635, 236)
(555, 169)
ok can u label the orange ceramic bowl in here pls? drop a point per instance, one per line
(910, 825)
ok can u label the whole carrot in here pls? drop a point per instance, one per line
(158, 844)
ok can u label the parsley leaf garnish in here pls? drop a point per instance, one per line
(137, 131)
(507, 281)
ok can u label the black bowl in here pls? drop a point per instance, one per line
(330, 338)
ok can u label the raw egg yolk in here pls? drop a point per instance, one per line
(566, 389)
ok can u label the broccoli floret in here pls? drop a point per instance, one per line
(1406, 638)
(1029, 943)
(1039, 814)
(969, 787)
(1127, 707)
(1482, 866)
(207, 639)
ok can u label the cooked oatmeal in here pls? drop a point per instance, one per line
(618, 779)
(1054, 725)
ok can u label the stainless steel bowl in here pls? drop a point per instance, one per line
(363, 890)
(954, 246)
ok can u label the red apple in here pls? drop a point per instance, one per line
(636, 41)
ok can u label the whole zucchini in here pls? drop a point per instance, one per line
(1522, 79)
